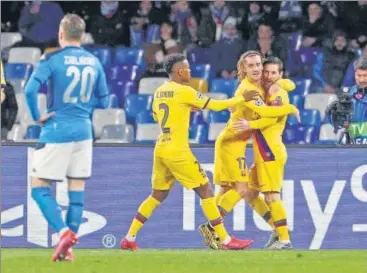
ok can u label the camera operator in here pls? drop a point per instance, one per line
(358, 92)
(351, 106)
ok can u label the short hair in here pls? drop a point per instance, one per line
(361, 64)
(73, 27)
(240, 70)
(171, 61)
(274, 60)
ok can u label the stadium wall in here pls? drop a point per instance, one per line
(325, 192)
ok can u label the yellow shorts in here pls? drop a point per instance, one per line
(267, 176)
(229, 162)
(186, 170)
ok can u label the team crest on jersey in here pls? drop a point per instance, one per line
(200, 96)
(259, 102)
(277, 102)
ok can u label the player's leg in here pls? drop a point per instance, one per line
(50, 162)
(212, 213)
(259, 204)
(233, 172)
(280, 221)
(162, 182)
(256, 201)
(190, 174)
(271, 175)
(145, 212)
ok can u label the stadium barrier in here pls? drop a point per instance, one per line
(325, 194)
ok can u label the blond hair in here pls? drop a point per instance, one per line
(241, 74)
(73, 27)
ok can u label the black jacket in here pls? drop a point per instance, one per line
(9, 108)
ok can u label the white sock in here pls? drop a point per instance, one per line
(61, 232)
(130, 238)
(226, 240)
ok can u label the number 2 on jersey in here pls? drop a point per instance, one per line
(87, 73)
(165, 108)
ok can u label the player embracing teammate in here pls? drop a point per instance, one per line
(266, 126)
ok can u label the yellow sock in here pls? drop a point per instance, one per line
(211, 212)
(218, 197)
(280, 220)
(144, 212)
(228, 201)
(259, 205)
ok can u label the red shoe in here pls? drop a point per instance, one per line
(68, 257)
(67, 240)
(128, 245)
(236, 244)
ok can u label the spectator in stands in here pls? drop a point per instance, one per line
(109, 27)
(250, 22)
(9, 110)
(317, 26)
(185, 24)
(226, 52)
(290, 16)
(146, 15)
(331, 64)
(349, 78)
(39, 24)
(354, 21)
(359, 91)
(269, 44)
(155, 54)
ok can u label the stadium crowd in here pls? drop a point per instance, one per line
(318, 42)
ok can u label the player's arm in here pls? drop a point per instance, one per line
(262, 123)
(3, 83)
(196, 99)
(39, 77)
(282, 98)
(286, 84)
(101, 92)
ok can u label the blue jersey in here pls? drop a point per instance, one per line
(359, 104)
(76, 85)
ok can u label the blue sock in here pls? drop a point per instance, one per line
(74, 216)
(49, 207)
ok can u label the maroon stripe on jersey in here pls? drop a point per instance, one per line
(267, 216)
(206, 104)
(280, 223)
(222, 211)
(216, 222)
(264, 148)
(141, 218)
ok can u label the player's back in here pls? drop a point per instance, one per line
(75, 81)
(268, 142)
(173, 116)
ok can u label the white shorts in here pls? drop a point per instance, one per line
(55, 161)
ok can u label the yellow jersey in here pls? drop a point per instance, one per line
(268, 142)
(3, 83)
(255, 109)
(172, 106)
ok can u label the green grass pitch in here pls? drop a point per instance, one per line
(186, 261)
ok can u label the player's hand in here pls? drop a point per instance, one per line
(241, 125)
(3, 96)
(250, 95)
(195, 109)
(298, 116)
(45, 117)
(232, 109)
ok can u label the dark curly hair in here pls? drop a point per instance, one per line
(171, 61)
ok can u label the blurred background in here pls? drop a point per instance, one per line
(317, 41)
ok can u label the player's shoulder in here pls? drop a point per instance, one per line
(48, 55)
